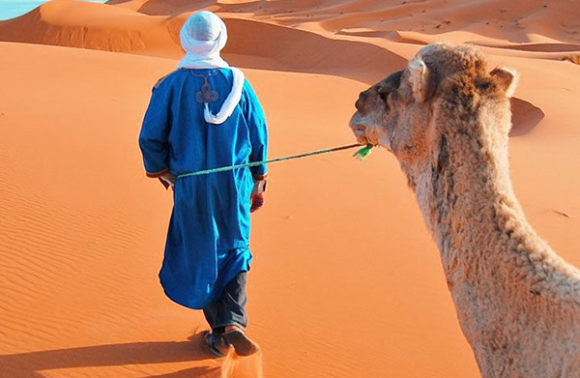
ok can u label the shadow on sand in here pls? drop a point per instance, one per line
(525, 117)
(31, 365)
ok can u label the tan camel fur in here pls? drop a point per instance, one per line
(446, 119)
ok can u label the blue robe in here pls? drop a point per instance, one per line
(208, 238)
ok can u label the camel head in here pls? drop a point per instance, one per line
(400, 112)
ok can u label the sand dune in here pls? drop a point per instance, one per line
(366, 29)
(346, 282)
(87, 25)
(93, 26)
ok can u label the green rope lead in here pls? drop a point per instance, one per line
(361, 154)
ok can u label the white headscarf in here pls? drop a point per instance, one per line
(203, 36)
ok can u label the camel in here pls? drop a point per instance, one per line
(446, 119)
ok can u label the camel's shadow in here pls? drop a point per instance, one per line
(30, 365)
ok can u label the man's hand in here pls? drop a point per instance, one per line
(257, 202)
(257, 198)
(168, 180)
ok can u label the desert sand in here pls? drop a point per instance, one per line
(346, 281)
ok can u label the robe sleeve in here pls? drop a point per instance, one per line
(153, 139)
(258, 131)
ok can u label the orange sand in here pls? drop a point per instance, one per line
(346, 281)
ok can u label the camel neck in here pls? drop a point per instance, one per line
(468, 201)
(489, 252)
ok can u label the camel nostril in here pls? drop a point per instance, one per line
(359, 102)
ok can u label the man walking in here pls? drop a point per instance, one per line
(206, 115)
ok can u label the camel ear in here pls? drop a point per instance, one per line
(420, 77)
(507, 79)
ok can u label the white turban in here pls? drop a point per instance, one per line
(203, 36)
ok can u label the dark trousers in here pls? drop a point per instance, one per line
(230, 309)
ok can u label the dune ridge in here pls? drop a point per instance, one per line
(372, 30)
(91, 25)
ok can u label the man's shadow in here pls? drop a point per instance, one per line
(30, 365)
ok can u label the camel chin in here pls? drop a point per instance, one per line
(365, 131)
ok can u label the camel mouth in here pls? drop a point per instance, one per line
(359, 127)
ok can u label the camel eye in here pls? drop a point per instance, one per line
(384, 96)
